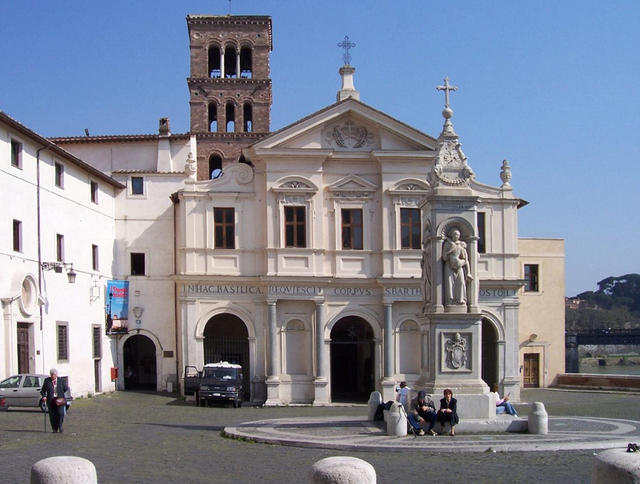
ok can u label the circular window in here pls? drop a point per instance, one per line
(28, 296)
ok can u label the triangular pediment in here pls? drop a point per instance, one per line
(352, 183)
(347, 126)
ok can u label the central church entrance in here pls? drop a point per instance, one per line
(352, 360)
(226, 339)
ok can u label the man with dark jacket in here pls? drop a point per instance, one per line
(421, 410)
(52, 389)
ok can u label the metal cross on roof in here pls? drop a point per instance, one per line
(446, 88)
(346, 44)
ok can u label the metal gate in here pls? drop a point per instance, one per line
(226, 339)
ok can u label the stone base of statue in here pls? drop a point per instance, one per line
(455, 362)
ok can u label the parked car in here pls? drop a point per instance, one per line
(217, 382)
(22, 391)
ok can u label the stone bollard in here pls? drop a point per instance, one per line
(375, 399)
(64, 469)
(538, 422)
(616, 465)
(342, 470)
(396, 420)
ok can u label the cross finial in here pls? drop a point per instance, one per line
(446, 88)
(346, 44)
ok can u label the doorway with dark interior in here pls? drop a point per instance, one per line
(226, 339)
(489, 353)
(139, 354)
(352, 360)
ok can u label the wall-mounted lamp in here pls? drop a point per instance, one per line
(58, 267)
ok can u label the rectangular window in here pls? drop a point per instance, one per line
(59, 247)
(97, 341)
(352, 228)
(137, 185)
(63, 342)
(224, 226)
(531, 277)
(137, 264)
(94, 192)
(95, 262)
(295, 227)
(16, 154)
(17, 236)
(410, 228)
(59, 181)
(482, 247)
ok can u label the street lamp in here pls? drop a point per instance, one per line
(58, 267)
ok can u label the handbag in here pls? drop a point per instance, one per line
(60, 401)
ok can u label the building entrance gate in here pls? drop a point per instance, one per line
(139, 354)
(226, 339)
(352, 360)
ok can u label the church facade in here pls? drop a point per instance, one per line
(339, 255)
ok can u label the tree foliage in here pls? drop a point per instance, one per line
(616, 304)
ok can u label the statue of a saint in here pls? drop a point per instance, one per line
(456, 269)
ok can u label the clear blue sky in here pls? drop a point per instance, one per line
(551, 86)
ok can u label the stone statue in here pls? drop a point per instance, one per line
(456, 349)
(456, 269)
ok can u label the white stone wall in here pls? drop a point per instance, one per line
(70, 212)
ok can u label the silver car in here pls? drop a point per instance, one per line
(21, 391)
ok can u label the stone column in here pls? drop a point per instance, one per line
(388, 340)
(222, 62)
(237, 64)
(273, 357)
(388, 384)
(321, 383)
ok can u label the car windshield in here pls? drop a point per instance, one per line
(11, 382)
(220, 373)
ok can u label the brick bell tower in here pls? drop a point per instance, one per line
(229, 86)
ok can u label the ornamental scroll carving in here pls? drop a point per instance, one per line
(426, 264)
(349, 135)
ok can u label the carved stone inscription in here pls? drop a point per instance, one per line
(455, 351)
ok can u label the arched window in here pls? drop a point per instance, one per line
(230, 62)
(214, 61)
(246, 69)
(231, 117)
(213, 118)
(215, 166)
(247, 112)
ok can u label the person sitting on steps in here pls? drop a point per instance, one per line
(421, 411)
(448, 411)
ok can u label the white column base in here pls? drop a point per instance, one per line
(273, 392)
(322, 392)
(388, 390)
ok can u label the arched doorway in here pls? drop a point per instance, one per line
(139, 354)
(352, 360)
(226, 339)
(489, 353)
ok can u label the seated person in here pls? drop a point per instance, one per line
(448, 411)
(422, 409)
(503, 404)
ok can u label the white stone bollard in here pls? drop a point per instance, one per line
(64, 469)
(342, 470)
(616, 465)
(538, 422)
(375, 399)
(396, 421)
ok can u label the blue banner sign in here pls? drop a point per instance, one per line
(117, 307)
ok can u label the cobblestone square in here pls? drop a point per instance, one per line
(156, 438)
